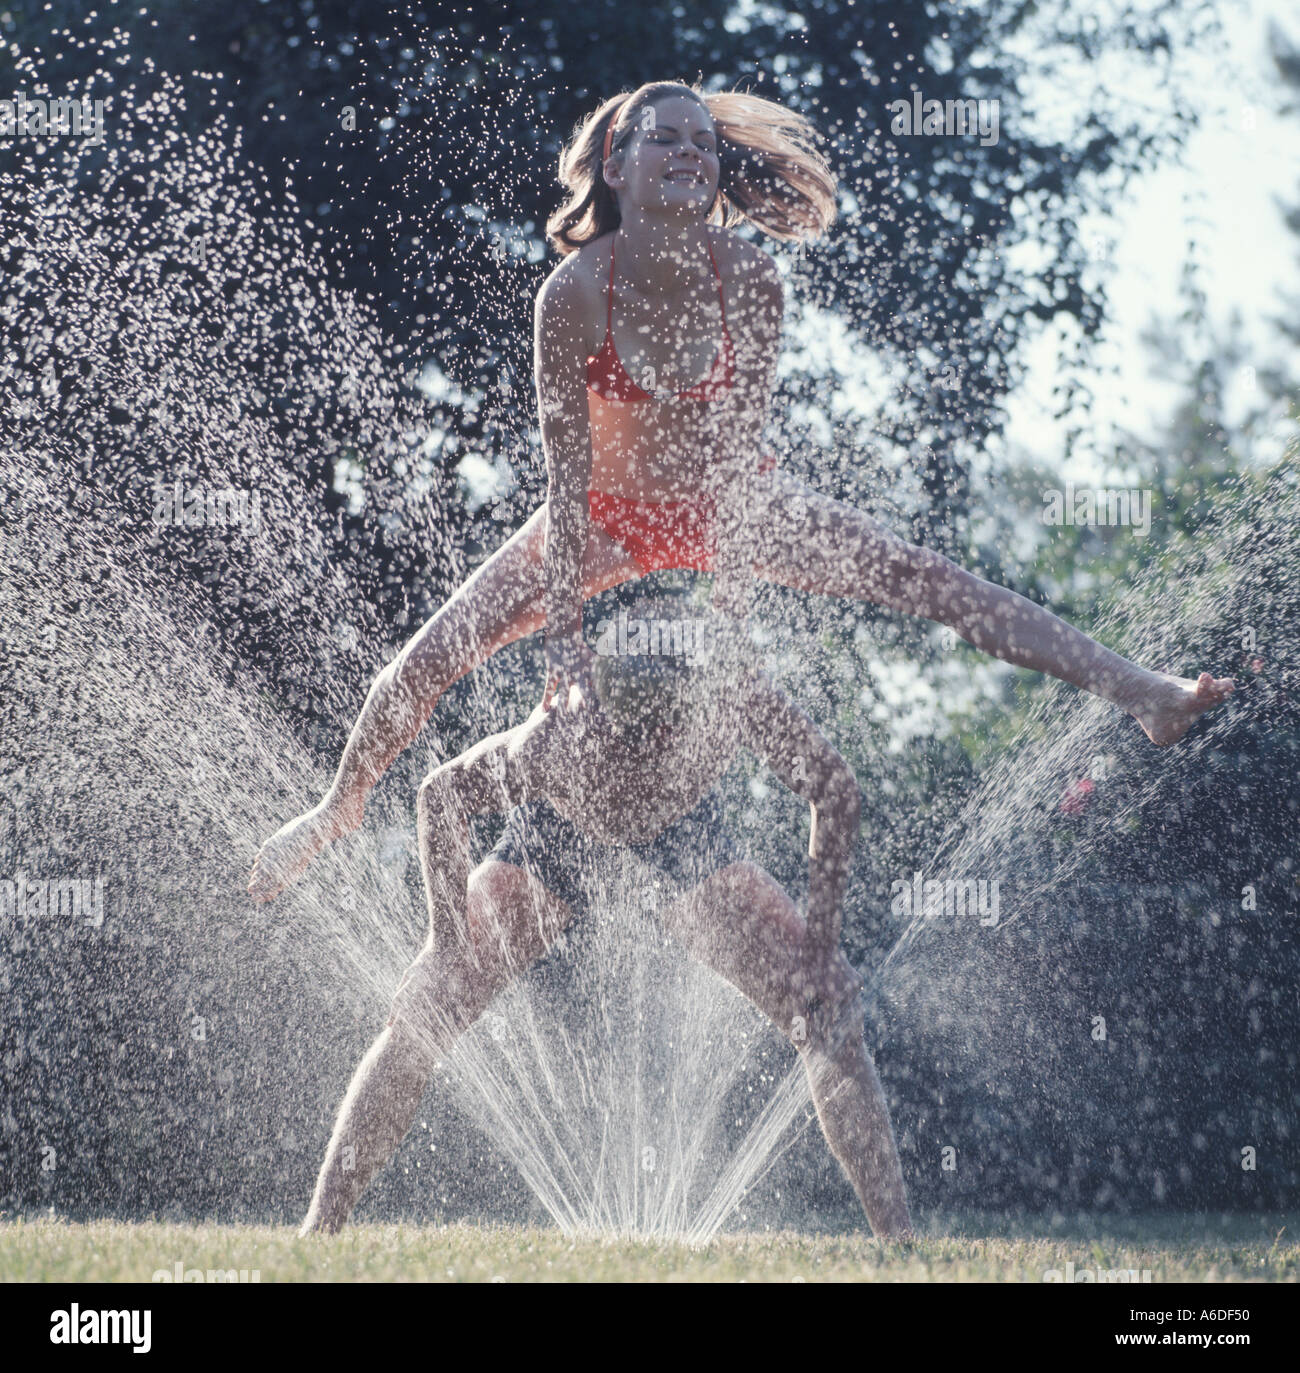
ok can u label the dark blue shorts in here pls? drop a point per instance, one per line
(568, 863)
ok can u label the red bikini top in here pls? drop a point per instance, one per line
(607, 377)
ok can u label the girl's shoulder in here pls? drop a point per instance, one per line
(738, 249)
(570, 292)
(576, 278)
(739, 260)
(583, 263)
(585, 271)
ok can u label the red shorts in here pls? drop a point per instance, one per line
(663, 535)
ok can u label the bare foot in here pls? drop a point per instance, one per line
(286, 854)
(1180, 704)
(313, 1225)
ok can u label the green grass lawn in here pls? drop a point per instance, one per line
(952, 1249)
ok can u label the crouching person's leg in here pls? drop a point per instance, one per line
(441, 995)
(851, 1104)
(436, 996)
(742, 923)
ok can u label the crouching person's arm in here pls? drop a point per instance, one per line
(498, 773)
(805, 760)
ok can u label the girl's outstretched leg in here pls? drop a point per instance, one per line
(499, 603)
(811, 542)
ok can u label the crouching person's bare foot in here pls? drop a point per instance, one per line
(285, 855)
(1178, 705)
(316, 1226)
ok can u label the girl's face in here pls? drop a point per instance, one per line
(670, 160)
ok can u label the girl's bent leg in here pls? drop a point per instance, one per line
(814, 543)
(499, 603)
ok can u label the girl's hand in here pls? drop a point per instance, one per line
(570, 671)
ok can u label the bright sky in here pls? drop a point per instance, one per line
(1242, 159)
(1227, 189)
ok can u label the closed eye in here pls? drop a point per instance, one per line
(705, 139)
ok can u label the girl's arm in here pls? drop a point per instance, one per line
(559, 350)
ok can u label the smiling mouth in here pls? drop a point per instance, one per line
(692, 178)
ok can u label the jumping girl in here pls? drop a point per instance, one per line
(656, 341)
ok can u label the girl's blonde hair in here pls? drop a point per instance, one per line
(771, 172)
